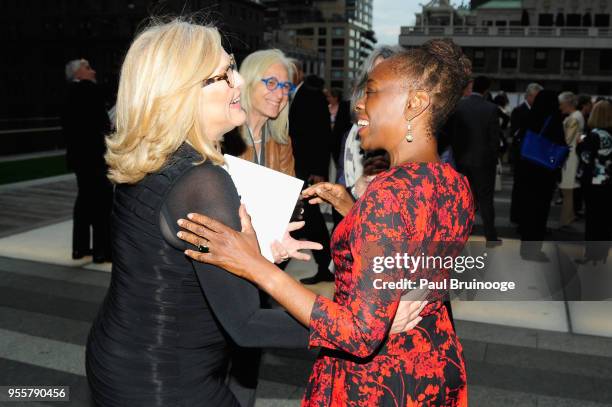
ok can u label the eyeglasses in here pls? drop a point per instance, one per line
(227, 76)
(272, 83)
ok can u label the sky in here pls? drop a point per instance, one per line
(390, 15)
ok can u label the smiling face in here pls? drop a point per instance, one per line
(220, 109)
(380, 116)
(268, 103)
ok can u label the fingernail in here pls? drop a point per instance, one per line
(179, 234)
(190, 215)
(180, 222)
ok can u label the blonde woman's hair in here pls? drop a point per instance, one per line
(252, 69)
(158, 102)
(601, 115)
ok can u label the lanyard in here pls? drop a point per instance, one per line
(262, 151)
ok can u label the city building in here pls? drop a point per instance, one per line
(340, 31)
(562, 44)
(37, 41)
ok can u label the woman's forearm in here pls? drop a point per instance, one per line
(290, 294)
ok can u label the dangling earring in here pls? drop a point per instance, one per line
(409, 137)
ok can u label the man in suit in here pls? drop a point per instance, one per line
(310, 131)
(475, 142)
(518, 124)
(85, 124)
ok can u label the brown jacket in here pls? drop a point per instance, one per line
(279, 157)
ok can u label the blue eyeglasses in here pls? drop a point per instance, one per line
(272, 83)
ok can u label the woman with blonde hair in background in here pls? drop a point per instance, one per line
(264, 137)
(573, 125)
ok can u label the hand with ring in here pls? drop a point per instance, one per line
(236, 252)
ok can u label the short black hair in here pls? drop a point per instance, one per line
(439, 67)
(481, 84)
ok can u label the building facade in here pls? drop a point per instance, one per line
(339, 31)
(38, 37)
(562, 44)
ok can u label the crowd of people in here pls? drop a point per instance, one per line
(583, 126)
(417, 149)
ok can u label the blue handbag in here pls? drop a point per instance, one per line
(540, 150)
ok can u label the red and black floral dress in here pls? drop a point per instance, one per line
(360, 364)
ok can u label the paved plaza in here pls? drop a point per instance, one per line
(517, 354)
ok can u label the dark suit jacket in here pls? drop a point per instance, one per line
(475, 132)
(85, 124)
(310, 131)
(518, 122)
(341, 127)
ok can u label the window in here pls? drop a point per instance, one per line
(605, 60)
(337, 84)
(540, 59)
(545, 20)
(509, 58)
(338, 53)
(602, 20)
(322, 31)
(479, 58)
(571, 60)
(338, 31)
(337, 63)
(338, 42)
(322, 42)
(501, 23)
(305, 31)
(336, 74)
(573, 20)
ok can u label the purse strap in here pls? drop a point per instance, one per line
(545, 125)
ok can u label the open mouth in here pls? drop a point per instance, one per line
(235, 101)
(363, 123)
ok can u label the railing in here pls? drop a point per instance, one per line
(486, 31)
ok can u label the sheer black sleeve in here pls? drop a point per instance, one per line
(208, 189)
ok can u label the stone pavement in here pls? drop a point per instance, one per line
(46, 311)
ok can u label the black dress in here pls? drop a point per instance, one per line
(167, 326)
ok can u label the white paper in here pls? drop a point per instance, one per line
(269, 196)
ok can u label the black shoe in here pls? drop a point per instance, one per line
(79, 254)
(317, 278)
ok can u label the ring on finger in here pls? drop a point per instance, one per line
(202, 248)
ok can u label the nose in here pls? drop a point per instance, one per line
(278, 92)
(360, 104)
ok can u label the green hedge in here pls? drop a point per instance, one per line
(33, 168)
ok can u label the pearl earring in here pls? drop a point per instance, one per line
(409, 137)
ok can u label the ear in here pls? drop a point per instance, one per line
(418, 101)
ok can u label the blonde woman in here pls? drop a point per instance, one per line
(264, 137)
(162, 335)
(572, 129)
